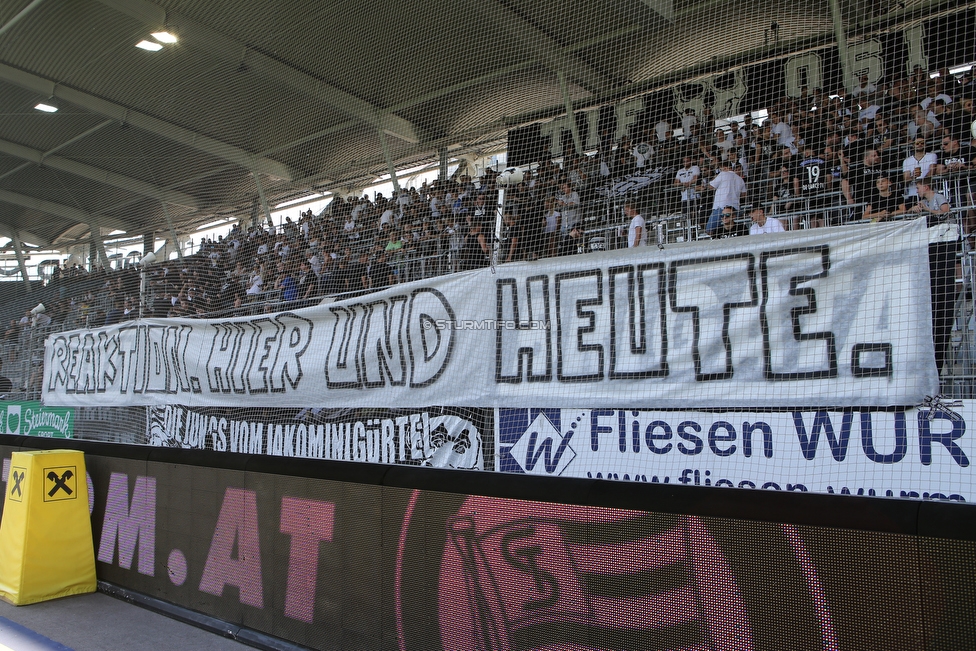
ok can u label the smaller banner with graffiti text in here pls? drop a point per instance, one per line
(439, 440)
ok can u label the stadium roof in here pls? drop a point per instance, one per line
(291, 97)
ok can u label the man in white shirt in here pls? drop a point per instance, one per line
(686, 179)
(568, 206)
(920, 165)
(661, 129)
(782, 132)
(403, 201)
(762, 224)
(388, 215)
(722, 145)
(436, 203)
(729, 188)
(636, 234)
(864, 87)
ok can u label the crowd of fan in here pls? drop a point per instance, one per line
(818, 154)
(825, 148)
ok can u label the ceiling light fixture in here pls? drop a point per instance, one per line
(149, 46)
(164, 37)
(46, 108)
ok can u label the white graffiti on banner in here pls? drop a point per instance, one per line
(378, 343)
(894, 454)
(635, 309)
(245, 357)
(371, 345)
(439, 441)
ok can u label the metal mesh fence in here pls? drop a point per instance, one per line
(637, 206)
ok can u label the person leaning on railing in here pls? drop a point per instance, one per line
(475, 251)
(761, 224)
(883, 203)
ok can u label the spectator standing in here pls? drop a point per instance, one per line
(569, 208)
(883, 203)
(6, 385)
(919, 165)
(687, 179)
(636, 232)
(810, 179)
(552, 218)
(475, 252)
(689, 126)
(858, 182)
(729, 189)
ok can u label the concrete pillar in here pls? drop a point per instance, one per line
(389, 162)
(97, 250)
(845, 64)
(264, 200)
(172, 233)
(442, 154)
(18, 249)
(577, 145)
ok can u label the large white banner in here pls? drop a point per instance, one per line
(827, 317)
(912, 454)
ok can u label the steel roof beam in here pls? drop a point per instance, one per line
(70, 213)
(229, 49)
(8, 230)
(97, 174)
(205, 144)
(548, 52)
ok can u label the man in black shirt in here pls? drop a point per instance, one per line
(380, 272)
(356, 271)
(883, 203)
(858, 184)
(810, 177)
(951, 158)
(783, 190)
(729, 227)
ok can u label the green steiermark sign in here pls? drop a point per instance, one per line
(31, 418)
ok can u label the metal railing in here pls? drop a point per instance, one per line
(23, 355)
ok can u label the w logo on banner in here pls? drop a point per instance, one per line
(542, 449)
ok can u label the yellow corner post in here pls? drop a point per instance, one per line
(46, 548)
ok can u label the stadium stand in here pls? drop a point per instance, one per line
(610, 257)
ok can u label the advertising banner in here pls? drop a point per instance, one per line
(412, 438)
(823, 317)
(909, 454)
(341, 565)
(31, 418)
